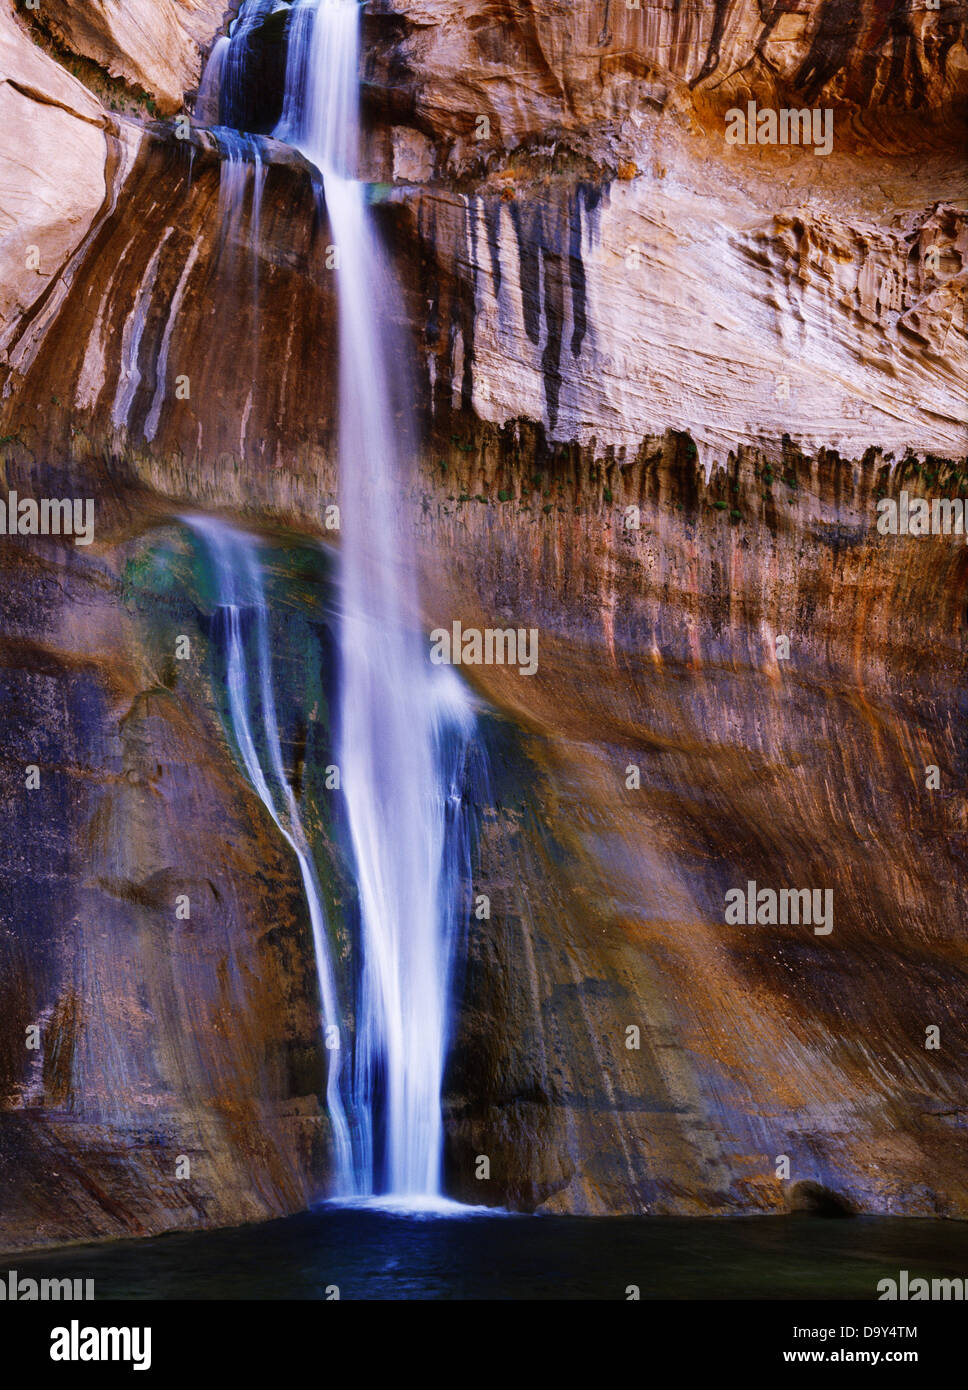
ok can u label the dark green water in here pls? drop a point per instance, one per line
(377, 1255)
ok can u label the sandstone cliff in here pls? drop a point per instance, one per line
(607, 308)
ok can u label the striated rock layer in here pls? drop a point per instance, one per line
(155, 48)
(537, 68)
(663, 383)
(658, 654)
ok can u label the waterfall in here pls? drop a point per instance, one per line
(233, 559)
(239, 156)
(208, 101)
(404, 728)
(233, 61)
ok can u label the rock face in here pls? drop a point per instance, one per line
(178, 1075)
(674, 758)
(663, 382)
(155, 47)
(52, 178)
(540, 70)
(816, 321)
(829, 291)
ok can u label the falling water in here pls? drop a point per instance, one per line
(129, 377)
(209, 100)
(403, 727)
(242, 605)
(234, 74)
(240, 165)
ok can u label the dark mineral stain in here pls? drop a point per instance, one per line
(836, 35)
(527, 228)
(715, 39)
(904, 56)
(468, 307)
(586, 200)
(543, 231)
(492, 221)
(554, 307)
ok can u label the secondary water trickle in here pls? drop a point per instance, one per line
(254, 724)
